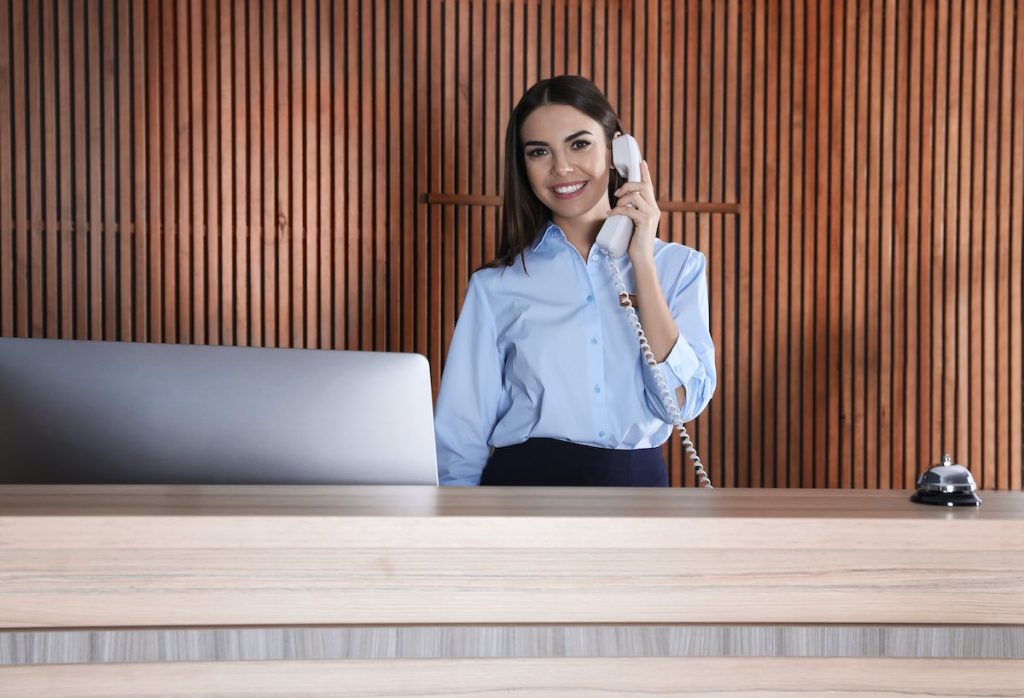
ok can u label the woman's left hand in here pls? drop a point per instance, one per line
(637, 201)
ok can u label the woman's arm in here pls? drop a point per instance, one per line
(676, 324)
(467, 403)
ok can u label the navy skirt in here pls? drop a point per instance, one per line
(560, 463)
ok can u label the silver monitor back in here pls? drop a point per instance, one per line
(108, 412)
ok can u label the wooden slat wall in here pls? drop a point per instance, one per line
(325, 174)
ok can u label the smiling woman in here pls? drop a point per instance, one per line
(545, 382)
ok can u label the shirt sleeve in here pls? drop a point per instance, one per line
(691, 362)
(467, 403)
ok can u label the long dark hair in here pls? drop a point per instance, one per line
(522, 212)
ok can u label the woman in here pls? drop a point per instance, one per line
(544, 367)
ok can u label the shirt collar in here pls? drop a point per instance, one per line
(550, 229)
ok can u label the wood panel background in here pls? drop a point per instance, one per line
(325, 174)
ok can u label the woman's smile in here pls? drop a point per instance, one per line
(568, 190)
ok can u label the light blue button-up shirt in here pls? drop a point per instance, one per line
(550, 353)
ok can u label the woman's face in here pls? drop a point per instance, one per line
(567, 161)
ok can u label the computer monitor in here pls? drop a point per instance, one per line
(130, 413)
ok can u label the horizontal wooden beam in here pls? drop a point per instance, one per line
(439, 199)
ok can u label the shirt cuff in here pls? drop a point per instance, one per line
(680, 365)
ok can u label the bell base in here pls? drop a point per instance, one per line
(947, 499)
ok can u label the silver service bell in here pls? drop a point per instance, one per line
(946, 484)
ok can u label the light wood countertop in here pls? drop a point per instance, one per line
(144, 556)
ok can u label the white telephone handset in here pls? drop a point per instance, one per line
(614, 239)
(617, 231)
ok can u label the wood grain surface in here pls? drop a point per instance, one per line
(841, 678)
(166, 556)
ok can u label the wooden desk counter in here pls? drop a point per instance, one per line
(138, 556)
(406, 591)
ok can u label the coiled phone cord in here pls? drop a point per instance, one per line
(666, 395)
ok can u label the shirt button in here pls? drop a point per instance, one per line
(594, 258)
(597, 388)
(601, 434)
(590, 298)
(593, 340)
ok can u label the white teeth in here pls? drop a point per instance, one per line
(570, 189)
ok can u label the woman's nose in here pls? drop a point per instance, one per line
(562, 167)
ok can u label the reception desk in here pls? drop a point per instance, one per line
(133, 590)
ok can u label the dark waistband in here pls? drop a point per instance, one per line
(543, 461)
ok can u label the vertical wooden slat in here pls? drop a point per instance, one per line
(295, 138)
(1001, 251)
(671, 181)
(757, 214)
(963, 283)
(478, 81)
(125, 283)
(141, 183)
(835, 221)
(808, 412)
(599, 38)
(988, 265)
(978, 429)
(268, 155)
(791, 215)
(461, 162)
(6, 212)
(284, 215)
(36, 225)
(366, 231)
(311, 87)
(823, 67)
(434, 229)
(712, 441)
(448, 152)
(847, 131)
(424, 97)
(211, 170)
(49, 306)
(256, 226)
(730, 250)
(193, 66)
(1016, 280)
(873, 306)
(937, 25)
(859, 66)
(781, 28)
(900, 370)
(154, 139)
(745, 293)
(183, 173)
(925, 203)
(242, 331)
(887, 417)
(123, 184)
(325, 146)
(96, 233)
(495, 78)
(951, 434)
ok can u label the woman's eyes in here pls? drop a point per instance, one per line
(581, 144)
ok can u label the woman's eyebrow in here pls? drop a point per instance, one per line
(567, 138)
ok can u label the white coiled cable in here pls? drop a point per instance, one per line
(666, 395)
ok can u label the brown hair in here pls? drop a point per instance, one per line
(522, 212)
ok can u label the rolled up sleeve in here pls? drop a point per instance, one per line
(691, 362)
